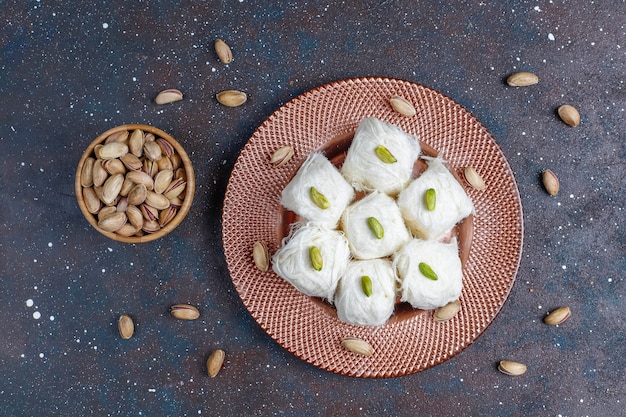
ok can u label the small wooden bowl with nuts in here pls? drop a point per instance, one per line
(134, 183)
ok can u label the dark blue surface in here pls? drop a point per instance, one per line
(71, 70)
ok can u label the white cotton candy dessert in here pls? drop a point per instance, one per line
(421, 291)
(292, 261)
(451, 202)
(354, 306)
(364, 244)
(366, 171)
(317, 171)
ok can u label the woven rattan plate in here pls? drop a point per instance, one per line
(325, 118)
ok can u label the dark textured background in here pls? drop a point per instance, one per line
(71, 70)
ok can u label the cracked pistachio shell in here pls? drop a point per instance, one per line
(448, 311)
(512, 368)
(281, 156)
(184, 312)
(473, 178)
(558, 316)
(168, 96)
(232, 98)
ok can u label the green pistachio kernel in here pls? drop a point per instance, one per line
(384, 155)
(316, 258)
(376, 227)
(366, 284)
(319, 199)
(427, 271)
(430, 198)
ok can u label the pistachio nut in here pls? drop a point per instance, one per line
(136, 142)
(112, 222)
(175, 188)
(318, 199)
(114, 166)
(105, 211)
(150, 226)
(140, 177)
(384, 155)
(376, 227)
(473, 178)
(166, 216)
(522, 79)
(430, 199)
(511, 368)
(558, 316)
(261, 256)
(112, 150)
(126, 326)
(92, 202)
(150, 168)
(111, 188)
(134, 216)
(316, 258)
(86, 173)
(152, 151)
(550, 182)
(402, 106)
(357, 345)
(427, 271)
(366, 285)
(168, 96)
(569, 115)
(149, 213)
(448, 311)
(132, 162)
(137, 195)
(223, 51)
(214, 362)
(164, 163)
(99, 174)
(127, 230)
(184, 312)
(120, 136)
(281, 156)
(232, 98)
(162, 180)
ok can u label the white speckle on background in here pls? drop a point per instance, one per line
(29, 303)
(105, 26)
(41, 355)
(36, 315)
(564, 267)
(49, 244)
(537, 9)
(51, 318)
(550, 36)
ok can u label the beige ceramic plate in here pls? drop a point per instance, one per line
(325, 119)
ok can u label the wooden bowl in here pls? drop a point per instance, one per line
(142, 236)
